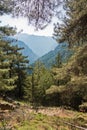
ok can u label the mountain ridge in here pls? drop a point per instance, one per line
(40, 45)
(26, 51)
(49, 59)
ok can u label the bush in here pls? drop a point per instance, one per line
(83, 107)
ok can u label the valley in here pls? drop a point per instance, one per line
(40, 45)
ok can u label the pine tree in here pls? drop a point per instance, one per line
(13, 65)
(18, 68)
(6, 82)
(58, 61)
(37, 83)
(74, 26)
(36, 89)
(21, 67)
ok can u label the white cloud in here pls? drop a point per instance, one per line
(22, 23)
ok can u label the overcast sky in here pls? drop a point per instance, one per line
(22, 23)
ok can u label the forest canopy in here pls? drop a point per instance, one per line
(74, 27)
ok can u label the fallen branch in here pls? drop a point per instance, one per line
(82, 128)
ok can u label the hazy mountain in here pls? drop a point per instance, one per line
(40, 45)
(49, 58)
(26, 51)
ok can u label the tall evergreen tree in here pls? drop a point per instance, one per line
(6, 82)
(58, 61)
(37, 83)
(21, 67)
(74, 27)
(13, 64)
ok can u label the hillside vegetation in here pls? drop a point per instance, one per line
(70, 81)
(49, 59)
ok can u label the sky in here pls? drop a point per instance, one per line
(22, 24)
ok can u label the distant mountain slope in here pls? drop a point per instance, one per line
(49, 58)
(26, 51)
(39, 44)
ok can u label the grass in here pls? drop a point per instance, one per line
(44, 122)
(39, 122)
(51, 119)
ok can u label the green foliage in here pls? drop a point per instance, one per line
(6, 82)
(70, 87)
(37, 83)
(74, 26)
(7, 30)
(83, 107)
(13, 68)
(69, 81)
(58, 61)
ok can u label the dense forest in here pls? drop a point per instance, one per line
(65, 83)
